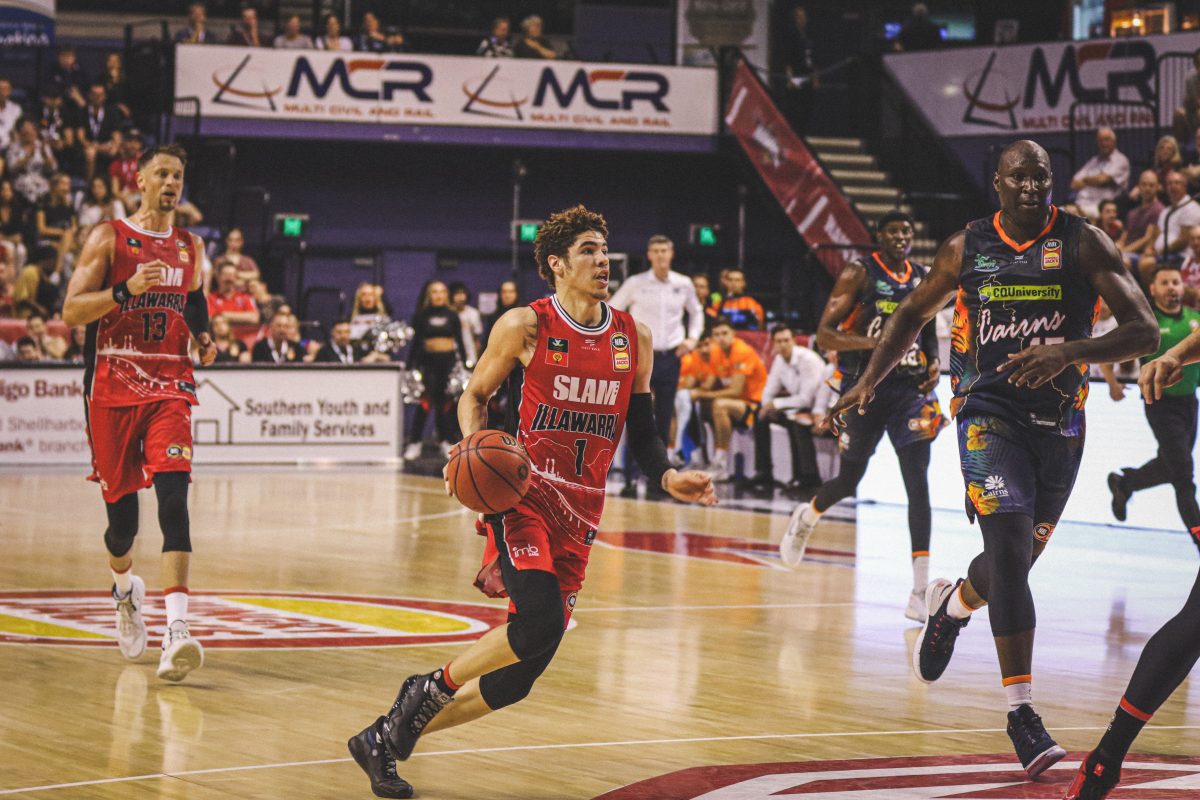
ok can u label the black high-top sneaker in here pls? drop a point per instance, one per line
(419, 701)
(1037, 751)
(935, 645)
(372, 755)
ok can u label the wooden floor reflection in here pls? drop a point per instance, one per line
(693, 647)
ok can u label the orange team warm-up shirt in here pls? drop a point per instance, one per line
(693, 365)
(743, 360)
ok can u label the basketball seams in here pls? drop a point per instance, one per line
(474, 485)
(471, 449)
(500, 474)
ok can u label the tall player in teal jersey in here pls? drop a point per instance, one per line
(1025, 282)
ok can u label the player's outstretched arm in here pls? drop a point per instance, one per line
(842, 300)
(914, 311)
(511, 343)
(690, 486)
(1136, 333)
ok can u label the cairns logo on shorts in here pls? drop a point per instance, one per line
(967, 777)
(994, 486)
(250, 619)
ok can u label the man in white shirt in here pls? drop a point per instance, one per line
(1103, 177)
(658, 299)
(10, 112)
(788, 400)
(1173, 228)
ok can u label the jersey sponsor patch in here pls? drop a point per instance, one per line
(985, 263)
(620, 350)
(179, 451)
(134, 245)
(1052, 254)
(556, 352)
(1043, 531)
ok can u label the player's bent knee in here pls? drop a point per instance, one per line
(122, 525)
(504, 688)
(540, 620)
(171, 488)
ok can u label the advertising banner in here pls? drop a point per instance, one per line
(413, 89)
(1029, 89)
(807, 194)
(26, 23)
(245, 416)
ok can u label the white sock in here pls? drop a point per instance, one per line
(956, 607)
(810, 515)
(1019, 694)
(720, 456)
(920, 566)
(177, 603)
(123, 580)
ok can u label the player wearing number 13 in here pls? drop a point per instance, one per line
(1025, 283)
(137, 289)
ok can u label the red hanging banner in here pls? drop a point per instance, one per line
(807, 194)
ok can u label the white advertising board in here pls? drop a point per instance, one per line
(1029, 89)
(409, 89)
(245, 415)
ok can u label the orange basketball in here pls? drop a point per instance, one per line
(488, 471)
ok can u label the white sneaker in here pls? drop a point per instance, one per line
(131, 628)
(916, 610)
(445, 447)
(795, 539)
(412, 452)
(698, 460)
(180, 653)
(718, 468)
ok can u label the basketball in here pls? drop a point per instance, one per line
(488, 471)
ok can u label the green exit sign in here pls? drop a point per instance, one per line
(528, 231)
(704, 235)
(291, 226)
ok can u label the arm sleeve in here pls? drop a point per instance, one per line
(648, 449)
(195, 313)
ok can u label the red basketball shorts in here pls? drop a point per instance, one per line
(130, 444)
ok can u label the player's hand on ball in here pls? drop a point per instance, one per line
(691, 486)
(1164, 371)
(148, 275)
(208, 349)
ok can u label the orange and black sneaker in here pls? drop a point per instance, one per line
(1094, 780)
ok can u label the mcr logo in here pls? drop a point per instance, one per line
(970, 777)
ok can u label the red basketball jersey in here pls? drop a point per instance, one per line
(138, 352)
(574, 397)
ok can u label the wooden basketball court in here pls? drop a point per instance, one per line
(692, 648)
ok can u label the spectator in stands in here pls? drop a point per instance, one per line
(533, 44)
(68, 77)
(368, 309)
(292, 37)
(743, 311)
(1141, 219)
(30, 162)
(1187, 115)
(704, 295)
(436, 347)
(1167, 157)
(331, 37)
(472, 322)
(373, 39)
(196, 31)
(75, 345)
(7, 279)
(100, 133)
(99, 205)
(10, 112)
(499, 43)
(787, 401)
(36, 290)
(1174, 224)
(275, 347)
(230, 349)
(247, 268)
(694, 371)
(1190, 269)
(14, 222)
(122, 172)
(1104, 176)
(506, 300)
(307, 348)
(268, 304)
(800, 71)
(246, 33)
(55, 217)
(116, 85)
(58, 125)
(27, 350)
(228, 299)
(1109, 221)
(919, 32)
(730, 397)
(338, 350)
(48, 345)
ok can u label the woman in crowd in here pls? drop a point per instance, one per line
(74, 351)
(230, 349)
(99, 204)
(55, 219)
(14, 222)
(368, 309)
(246, 266)
(115, 84)
(30, 161)
(332, 38)
(472, 322)
(506, 299)
(437, 346)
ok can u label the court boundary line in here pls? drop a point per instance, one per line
(558, 746)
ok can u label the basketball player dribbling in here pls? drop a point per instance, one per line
(1026, 283)
(1172, 651)
(586, 373)
(137, 288)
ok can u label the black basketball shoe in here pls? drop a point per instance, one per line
(1094, 780)
(1037, 751)
(1120, 497)
(371, 753)
(419, 701)
(935, 645)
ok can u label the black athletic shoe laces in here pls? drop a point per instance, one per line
(1036, 750)
(419, 702)
(433, 702)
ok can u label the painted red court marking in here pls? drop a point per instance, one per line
(732, 549)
